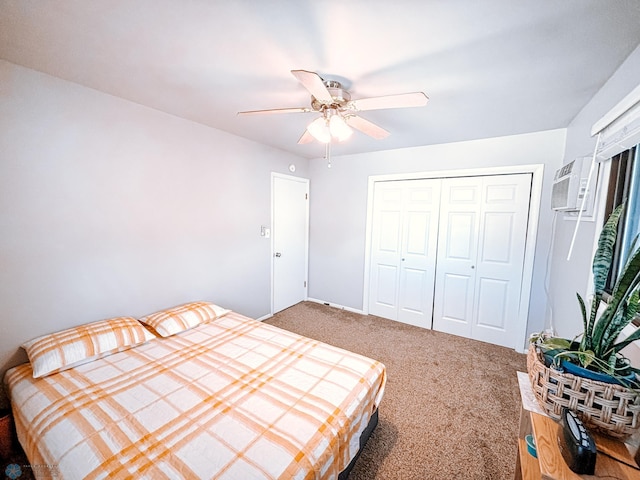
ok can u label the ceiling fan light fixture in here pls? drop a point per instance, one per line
(339, 112)
(339, 128)
(319, 128)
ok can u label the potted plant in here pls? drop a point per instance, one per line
(594, 356)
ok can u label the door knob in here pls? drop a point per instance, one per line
(278, 254)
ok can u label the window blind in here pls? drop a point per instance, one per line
(619, 129)
(616, 132)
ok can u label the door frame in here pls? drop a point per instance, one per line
(537, 173)
(293, 178)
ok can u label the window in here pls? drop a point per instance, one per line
(624, 185)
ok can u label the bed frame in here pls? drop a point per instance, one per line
(364, 437)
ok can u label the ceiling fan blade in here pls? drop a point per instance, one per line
(314, 84)
(305, 138)
(415, 99)
(276, 110)
(366, 127)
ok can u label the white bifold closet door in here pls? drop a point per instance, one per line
(481, 247)
(403, 250)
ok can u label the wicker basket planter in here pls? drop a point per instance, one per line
(609, 408)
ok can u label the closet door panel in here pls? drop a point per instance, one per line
(413, 284)
(417, 233)
(403, 252)
(492, 303)
(457, 293)
(482, 240)
(385, 250)
(386, 285)
(457, 247)
(389, 238)
(418, 260)
(460, 239)
(500, 259)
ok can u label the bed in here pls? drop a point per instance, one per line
(225, 397)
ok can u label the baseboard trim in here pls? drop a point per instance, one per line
(336, 305)
(263, 318)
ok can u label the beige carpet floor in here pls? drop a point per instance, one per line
(451, 405)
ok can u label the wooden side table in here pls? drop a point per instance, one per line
(11, 452)
(615, 459)
(7, 434)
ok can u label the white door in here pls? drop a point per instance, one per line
(403, 253)
(482, 235)
(458, 236)
(290, 233)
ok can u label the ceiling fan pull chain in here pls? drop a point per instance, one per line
(327, 153)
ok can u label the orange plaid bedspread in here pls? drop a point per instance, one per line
(232, 399)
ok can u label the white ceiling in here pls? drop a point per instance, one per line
(490, 67)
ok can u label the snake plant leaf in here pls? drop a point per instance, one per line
(595, 306)
(608, 335)
(588, 322)
(627, 282)
(604, 253)
(627, 341)
(625, 315)
(629, 278)
(586, 338)
(611, 362)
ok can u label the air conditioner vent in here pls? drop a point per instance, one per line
(570, 186)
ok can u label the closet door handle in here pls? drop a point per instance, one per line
(278, 254)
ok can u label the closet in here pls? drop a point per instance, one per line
(448, 253)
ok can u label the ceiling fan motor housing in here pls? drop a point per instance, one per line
(339, 95)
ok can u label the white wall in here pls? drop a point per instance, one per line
(339, 207)
(569, 277)
(110, 208)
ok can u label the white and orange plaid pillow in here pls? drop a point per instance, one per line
(182, 317)
(72, 347)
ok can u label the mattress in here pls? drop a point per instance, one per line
(232, 399)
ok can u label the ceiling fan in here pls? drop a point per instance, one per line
(339, 114)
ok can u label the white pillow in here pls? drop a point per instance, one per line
(182, 317)
(68, 348)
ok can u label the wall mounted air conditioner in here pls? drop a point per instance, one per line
(570, 187)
